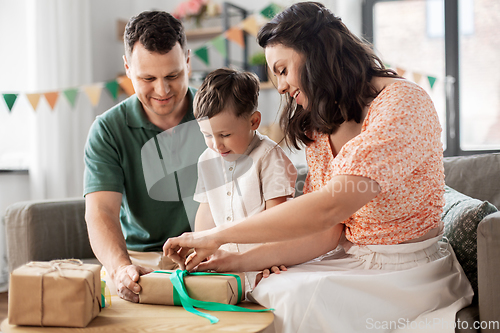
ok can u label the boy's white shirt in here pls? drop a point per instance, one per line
(239, 189)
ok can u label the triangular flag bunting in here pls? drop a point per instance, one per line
(71, 95)
(202, 53)
(10, 99)
(432, 80)
(400, 71)
(94, 93)
(33, 99)
(126, 84)
(51, 98)
(271, 10)
(417, 77)
(251, 26)
(219, 43)
(235, 35)
(112, 87)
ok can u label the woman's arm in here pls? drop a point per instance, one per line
(308, 214)
(288, 253)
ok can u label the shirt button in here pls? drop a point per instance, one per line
(229, 218)
(231, 169)
(228, 193)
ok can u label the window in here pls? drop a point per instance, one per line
(16, 125)
(451, 48)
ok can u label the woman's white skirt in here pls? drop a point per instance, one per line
(414, 287)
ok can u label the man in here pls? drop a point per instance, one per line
(128, 216)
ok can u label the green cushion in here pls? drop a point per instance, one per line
(461, 216)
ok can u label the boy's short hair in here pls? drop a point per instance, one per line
(157, 31)
(227, 88)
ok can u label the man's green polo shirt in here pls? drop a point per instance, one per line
(113, 163)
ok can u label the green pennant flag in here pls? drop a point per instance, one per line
(432, 80)
(219, 44)
(202, 53)
(71, 95)
(271, 10)
(10, 99)
(113, 88)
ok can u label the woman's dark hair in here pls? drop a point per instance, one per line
(227, 88)
(336, 74)
(157, 31)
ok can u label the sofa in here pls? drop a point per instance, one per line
(55, 229)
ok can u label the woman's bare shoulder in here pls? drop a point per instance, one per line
(380, 83)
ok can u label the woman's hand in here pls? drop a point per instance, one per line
(202, 242)
(268, 271)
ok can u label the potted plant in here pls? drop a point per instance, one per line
(258, 65)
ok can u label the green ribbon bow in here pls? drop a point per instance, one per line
(181, 296)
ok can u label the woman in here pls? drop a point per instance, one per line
(369, 224)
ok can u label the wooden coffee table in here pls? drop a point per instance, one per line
(124, 316)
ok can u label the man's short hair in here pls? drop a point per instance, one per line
(227, 88)
(157, 31)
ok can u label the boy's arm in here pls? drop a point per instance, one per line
(275, 268)
(204, 219)
(275, 201)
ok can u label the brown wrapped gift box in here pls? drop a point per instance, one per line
(58, 293)
(157, 288)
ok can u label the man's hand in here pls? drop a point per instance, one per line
(125, 279)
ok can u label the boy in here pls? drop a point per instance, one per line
(242, 172)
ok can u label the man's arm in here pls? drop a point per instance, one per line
(102, 214)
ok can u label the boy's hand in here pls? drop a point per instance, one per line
(268, 271)
(177, 248)
(179, 256)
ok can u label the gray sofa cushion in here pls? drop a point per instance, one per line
(477, 176)
(461, 216)
(46, 230)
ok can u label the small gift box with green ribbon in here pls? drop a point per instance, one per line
(209, 291)
(63, 293)
(157, 288)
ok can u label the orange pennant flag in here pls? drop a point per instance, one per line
(126, 84)
(93, 93)
(417, 77)
(51, 98)
(33, 99)
(235, 35)
(400, 71)
(251, 26)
